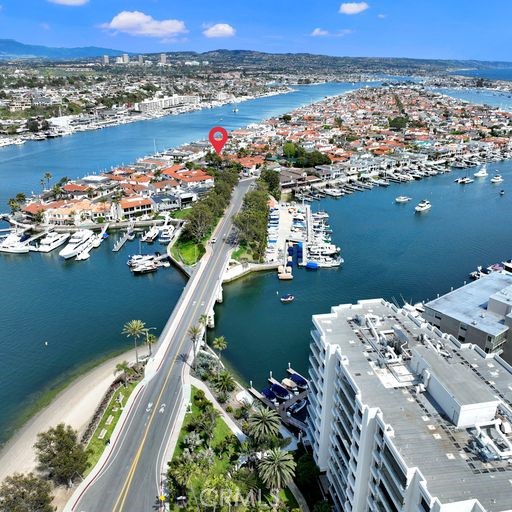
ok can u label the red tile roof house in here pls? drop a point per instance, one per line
(134, 206)
(75, 190)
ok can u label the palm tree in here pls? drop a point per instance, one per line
(135, 329)
(264, 423)
(220, 344)
(125, 370)
(277, 468)
(225, 382)
(195, 334)
(151, 339)
(47, 177)
(203, 320)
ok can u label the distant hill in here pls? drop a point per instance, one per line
(11, 49)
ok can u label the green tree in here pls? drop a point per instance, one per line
(225, 382)
(271, 178)
(277, 468)
(264, 424)
(20, 197)
(13, 205)
(289, 150)
(135, 329)
(47, 177)
(25, 493)
(220, 344)
(195, 333)
(199, 222)
(286, 118)
(151, 339)
(307, 471)
(125, 370)
(60, 455)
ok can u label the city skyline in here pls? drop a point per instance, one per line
(377, 28)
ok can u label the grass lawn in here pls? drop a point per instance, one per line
(181, 214)
(187, 252)
(97, 445)
(242, 254)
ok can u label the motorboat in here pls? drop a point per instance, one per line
(402, 199)
(269, 395)
(13, 243)
(145, 268)
(324, 249)
(150, 236)
(166, 235)
(502, 192)
(482, 173)
(139, 259)
(51, 241)
(281, 392)
(297, 406)
(289, 384)
(497, 178)
(77, 243)
(320, 215)
(299, 380)
(464, 181)
(285, 299)
(423, 206)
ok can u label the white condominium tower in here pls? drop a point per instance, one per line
(406, 418)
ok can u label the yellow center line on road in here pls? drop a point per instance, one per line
(128, 481)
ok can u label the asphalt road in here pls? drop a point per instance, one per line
(130, 479)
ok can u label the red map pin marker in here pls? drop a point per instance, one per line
(216, 141)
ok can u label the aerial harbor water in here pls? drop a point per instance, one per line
(389, 252)
(57, 316)
(79, 308)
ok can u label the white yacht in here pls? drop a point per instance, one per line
(497, 179)
(482, 173)
(150, 236)
(324, 250)
(12, 243)
(166, 235)
(402, 199)
(464, 181)
(423, 206)
(77, 243)
(51, 241)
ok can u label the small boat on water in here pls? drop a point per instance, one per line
(166, 235)
(464, 181)
(497, 178)
(289, 384)
(281, 392)
(402, 199)
(297, 406)
(150, 236)
(482, 173)
(299, 380)
(269, 395)
(287, 298)
(502, 192)
(423, 206)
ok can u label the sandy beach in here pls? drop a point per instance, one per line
(74, 406)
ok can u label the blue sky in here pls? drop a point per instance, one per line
(464, 29)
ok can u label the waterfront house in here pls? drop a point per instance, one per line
(135, 206)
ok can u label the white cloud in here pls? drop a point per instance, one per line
(318, 32)
(44, 26)
(353, 7)
(72, 3)
(381, 16)
(219, 30)
(137, 23)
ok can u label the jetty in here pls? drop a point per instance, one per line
(129, 235)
